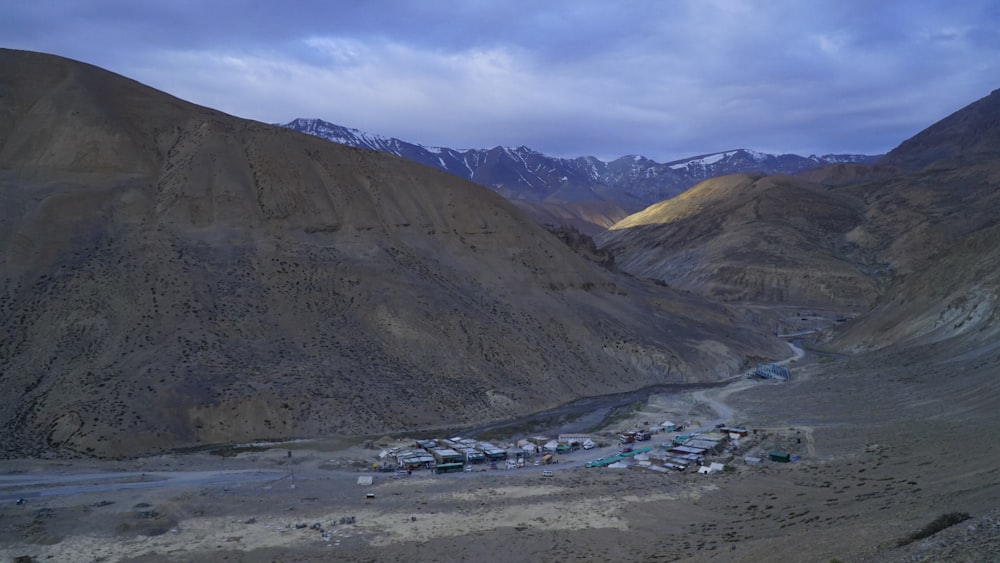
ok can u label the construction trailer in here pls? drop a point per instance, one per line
(687, 450)
(447, 456)
(742, 432)
(779, 456)
(604, 462)
(492, 452)
(679, 440)
(449, 468)
(710, 446)
(414, 459)
(473, 455)
(573, 438)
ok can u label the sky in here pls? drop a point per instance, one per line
(665, 79)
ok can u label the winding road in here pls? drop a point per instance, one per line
(723, 411)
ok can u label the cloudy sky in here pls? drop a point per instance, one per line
(665, 78)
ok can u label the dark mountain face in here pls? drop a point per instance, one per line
(969, 135)
(171, 276)
(631, 182)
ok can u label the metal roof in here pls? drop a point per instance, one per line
(772, 371)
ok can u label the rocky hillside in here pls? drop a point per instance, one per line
(171, 277)
(936, 231)
(911, 253)
(750, 238)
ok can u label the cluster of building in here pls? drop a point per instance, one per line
(681, 452)
(690, 449)
(452, 455)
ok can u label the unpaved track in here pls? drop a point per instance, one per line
(715, 397)
(57, 484)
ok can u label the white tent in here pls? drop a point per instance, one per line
(710, 469)
(527, 446)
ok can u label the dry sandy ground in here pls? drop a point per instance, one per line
(885, 447)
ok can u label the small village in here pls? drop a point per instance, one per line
(664, 448)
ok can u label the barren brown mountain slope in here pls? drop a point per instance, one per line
(589, 218)
(774, 239)
(914, 252)
(844, 174)
(171, 276)
(971, 134)
(937, 231)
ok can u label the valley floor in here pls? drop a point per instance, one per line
(886, 445)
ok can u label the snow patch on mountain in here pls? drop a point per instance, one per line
(703, 161)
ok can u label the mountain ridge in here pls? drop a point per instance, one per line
(172, 277)
(522, 173)
(902, 243)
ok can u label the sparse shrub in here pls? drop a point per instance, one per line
(940, 523)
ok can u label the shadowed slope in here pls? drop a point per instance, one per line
(970, 134)
(937, 232)
(936, 229)
(171, 276)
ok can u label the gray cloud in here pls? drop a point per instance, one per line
(569, 78)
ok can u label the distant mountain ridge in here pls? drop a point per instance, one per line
(521, 173)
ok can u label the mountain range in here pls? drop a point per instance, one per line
(542, 182)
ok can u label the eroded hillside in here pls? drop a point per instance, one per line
(172, 276)
(906, 245)
(759, 239)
